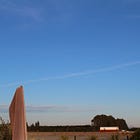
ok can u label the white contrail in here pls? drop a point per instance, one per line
(76, 74)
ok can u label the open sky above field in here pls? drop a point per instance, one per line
(75, 59)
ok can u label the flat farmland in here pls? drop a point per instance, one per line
(77, 135)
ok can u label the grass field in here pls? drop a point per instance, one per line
(76, 135)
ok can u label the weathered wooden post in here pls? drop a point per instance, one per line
(17, 116)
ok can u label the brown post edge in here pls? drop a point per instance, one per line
(17, 115)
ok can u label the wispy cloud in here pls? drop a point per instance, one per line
(25, 11)
(76, 74)
(43, 108)
(52, 108)
(58, 108)
(133, 16)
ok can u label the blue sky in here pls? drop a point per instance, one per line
(75, 59)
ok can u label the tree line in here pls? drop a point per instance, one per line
(97, 122)
(68, 128)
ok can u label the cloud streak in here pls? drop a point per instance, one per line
(133, 16)
(21, 10)
(76, 74)
(52, 108)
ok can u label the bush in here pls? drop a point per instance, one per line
(5, 130)
(136, 135)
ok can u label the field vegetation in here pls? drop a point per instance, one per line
(5, 130)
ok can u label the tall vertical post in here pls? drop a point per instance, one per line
(17, 116)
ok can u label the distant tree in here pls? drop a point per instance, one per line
(106, 121)
(103, 121)
(32, 125)
(37, 124)
(31, 128)
(122, 124)
(80, 128)
(136, 135)
(27, 124)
